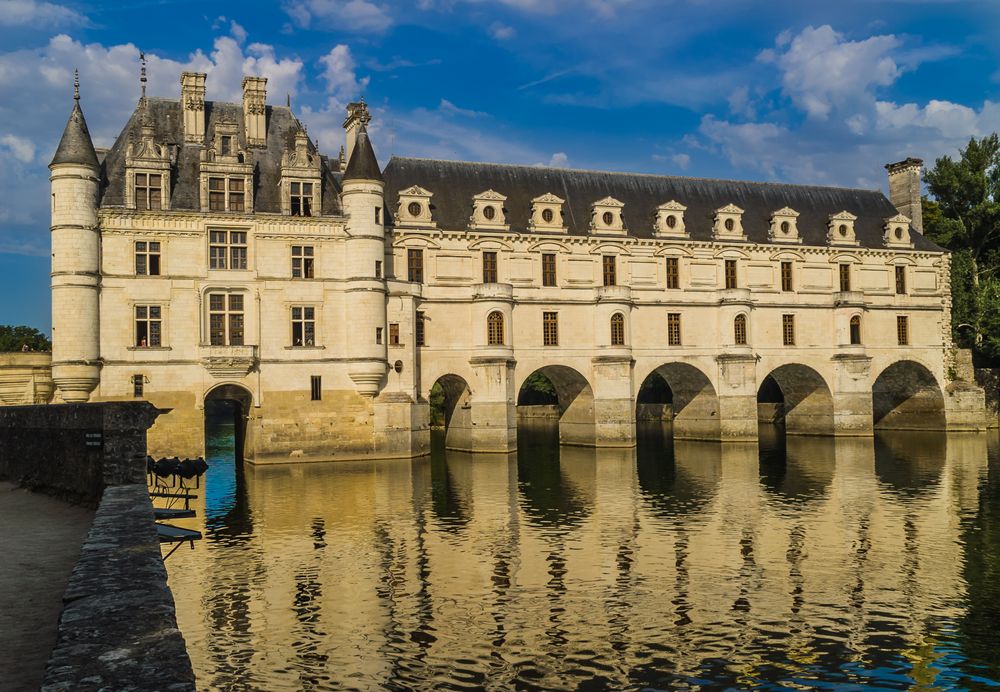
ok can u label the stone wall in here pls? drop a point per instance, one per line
(74, 451)
(118, 628)
(25, 378)
(989, 380)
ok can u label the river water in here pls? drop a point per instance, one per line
(801, 564)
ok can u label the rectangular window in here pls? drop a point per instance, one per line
(610, 273)
(550, 328)
(236, 194)
(315, 388)
(148, 326)
(548, 269)
(226, 194)
(786, 276)
(225, 319)
(903, 330)
(147, 258)
(673, 273)
(302, 261)
(303, 325)
(415, 266)
(489, 267)
(378, 335)
(378, 215)
(730, 273)
(302, 199)
(227, 250)
(137, 385)
(673, 329)
(419, 329)
(394, 334)
(788, 330)
(217, 194)
(147, 191)
(900, 279)
(845, 277)
(226, 145)
(378, 269)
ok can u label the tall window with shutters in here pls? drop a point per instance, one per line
(550, 328)
(845, 277)
(419, 335)
(617, 329)
(489, 267)
(740, 330)
(548, 269)
(494, 328)
(900, 279)
(674, 329)
(788, 330)
(610, 270)
(855, 328)
(673, 273)
(730, 268)
(415, 265)
(903, 330)
(786, 276)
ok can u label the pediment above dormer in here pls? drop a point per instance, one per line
(669, 221)
(491, 196)
(728, 223)
(729, 209)
(415, 191)
(414, 208)
(672, 205)
(606, 216)
(609, 202)
(784, 226)
(897, 231)
(488, 212)
(547, 214)
(548, 198)
(841, 229)
(786, 211)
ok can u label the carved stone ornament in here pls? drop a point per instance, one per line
(606, 216)
(841, 229)
(669, 221)
(784, 226)
(897, 231)
(546, 214)
(728, 223)
(488, 212)
(414, 208)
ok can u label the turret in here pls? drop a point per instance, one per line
(76, 364)
(364, 206)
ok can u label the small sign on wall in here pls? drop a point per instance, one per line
(93, 439)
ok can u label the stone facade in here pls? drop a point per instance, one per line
(25, 378)
(329, 295)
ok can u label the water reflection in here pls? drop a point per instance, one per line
(807, 562)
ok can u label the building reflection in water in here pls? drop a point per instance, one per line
(801, 561)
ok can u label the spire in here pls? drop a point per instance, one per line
(76, 145)
(363, 164)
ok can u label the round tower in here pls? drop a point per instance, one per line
(364, 207)
(76, 353)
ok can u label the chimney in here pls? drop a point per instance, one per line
(904, 190)
(193, 106)
(357, 115)
(254, 117)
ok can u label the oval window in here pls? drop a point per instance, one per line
(843, 230)
(414, 209)
(489, 213)
(784, 227)
(899, 232)
(547, 215)
(730, 225)
(671, 221)
(608, 218)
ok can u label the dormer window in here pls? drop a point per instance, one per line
(784, 226)
(414, 209)
(226, 173)
(606, 216)
(148, 191)
(841, 229)
(670, 220)
(897, 231)
(301, 198)
(729, 223)
(226, 145)
(148, 172)
(226, 194)
(546, 214)
(488, 212)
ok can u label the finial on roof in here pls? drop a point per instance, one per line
(76, 85)
(142, 73)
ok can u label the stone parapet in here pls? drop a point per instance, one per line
(25, 378)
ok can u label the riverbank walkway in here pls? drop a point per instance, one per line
(40, 540)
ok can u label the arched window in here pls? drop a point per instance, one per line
(494, 328)
(617, 329)
(856, 329)
(740, 330)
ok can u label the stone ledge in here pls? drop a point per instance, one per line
(118, 628)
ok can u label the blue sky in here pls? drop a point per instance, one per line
(803, 91)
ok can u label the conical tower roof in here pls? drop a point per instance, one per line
(76, 146)
(363, 164)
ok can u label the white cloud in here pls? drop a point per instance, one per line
(681, 160)
(358, 16)
(501, 31)
(822, 71)
(20, 148)
(35, 13)
(559, 160)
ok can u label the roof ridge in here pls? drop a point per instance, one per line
(634, 174)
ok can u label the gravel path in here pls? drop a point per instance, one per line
(40, 540)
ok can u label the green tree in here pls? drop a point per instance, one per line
(15, 338)
(963, 215)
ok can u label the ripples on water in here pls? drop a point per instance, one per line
(809, 563)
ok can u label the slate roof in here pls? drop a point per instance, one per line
(167, 120)
(76, 145)
(363, 164)
(454, 183)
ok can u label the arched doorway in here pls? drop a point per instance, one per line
(566, 395)
(681, 393)
(227, 410)
(797, 397)
(451, 411)
(906, 396)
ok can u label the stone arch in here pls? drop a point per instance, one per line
(800, 397)
(692, 402)
(455, 408)
(230, 402)
(906, 396)
(574, 399)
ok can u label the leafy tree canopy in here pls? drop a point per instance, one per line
(15, 338)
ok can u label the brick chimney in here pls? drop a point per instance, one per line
(904, 190)
(193, 106)
(254, 111)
